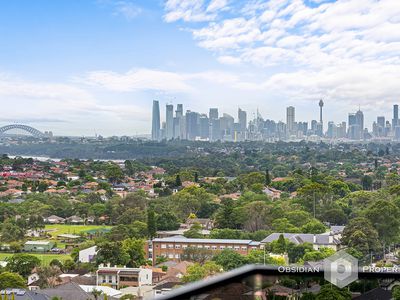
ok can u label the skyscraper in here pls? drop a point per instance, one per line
(290, 119)
(213, 115)
(192, 125)
(242, 117)
(395, 121)
(179, 124)
(155, 128)
(169, 117)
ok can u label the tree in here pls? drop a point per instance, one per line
(229, 259)
(69, 265)
(11, 232)
(135, 249)
(296, 252)
(366, 182)
(197, 272)
(151, 223)
(196, 177)
(48, 276)
(225, 217)
(317, 255)
(267, 177)
(361, 235)
(257, 216)
(22, 264)
(194, 232)
(314, 226)
(114, 173)
(178, 181)
(167, 221)
(384, 217)
(330, 292)
(396, 293)
(8, 279)
(195, 254)
(113, 253)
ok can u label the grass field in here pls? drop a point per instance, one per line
(71, 229)
(45, 258)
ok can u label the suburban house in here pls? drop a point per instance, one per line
(38, 246)
(317, 240)
(173, 247)
(75, 220)
(87, 255)
(53, 219)
(120, 277)
(206, 224)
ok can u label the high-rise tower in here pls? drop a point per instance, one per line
(169, 117)
(155, 128)
(321, 105)
(395, 121)
(290, 119)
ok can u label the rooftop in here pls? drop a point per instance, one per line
(182, 239)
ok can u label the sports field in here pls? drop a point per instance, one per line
(45, 258)
(57, 229)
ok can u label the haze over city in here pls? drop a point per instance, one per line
(96, 66)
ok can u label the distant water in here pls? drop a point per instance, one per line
(46, 158)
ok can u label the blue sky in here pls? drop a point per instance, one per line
(79, 67)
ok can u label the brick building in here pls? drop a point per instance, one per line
(173, 247)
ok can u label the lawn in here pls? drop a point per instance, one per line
(45, 258)
(57, 229)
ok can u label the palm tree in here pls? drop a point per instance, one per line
(96, 294)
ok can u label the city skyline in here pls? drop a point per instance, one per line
(218, 126)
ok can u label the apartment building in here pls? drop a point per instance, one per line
(173, 247)
(120, 277)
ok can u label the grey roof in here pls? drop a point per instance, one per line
(21, 294)
(301, 238)
(69, 291)
(337, 229)
(181, 239)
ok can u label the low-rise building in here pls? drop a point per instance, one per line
(317, 240)
(38, 246)
(173, 247)
(88, 254)
(120, 277)
(53, 219)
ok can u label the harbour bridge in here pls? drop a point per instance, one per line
(33, 131)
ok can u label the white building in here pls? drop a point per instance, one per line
(118, 277)
(88, 254)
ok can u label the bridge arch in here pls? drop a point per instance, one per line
(29, 129)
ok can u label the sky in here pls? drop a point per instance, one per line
(94, 66)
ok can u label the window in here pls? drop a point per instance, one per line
(237, 247)
(244, 248)
(176, 255)
(184, 246)
(170, 256)
(163, 246)
(199, 246)
(214, 247)
(230, 247)
(170, 246)
(222, 247)
(177, 246)
(207, 247)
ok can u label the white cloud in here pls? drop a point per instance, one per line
(347, 49)
(193, 10)
(138, 79)
(127, 9)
